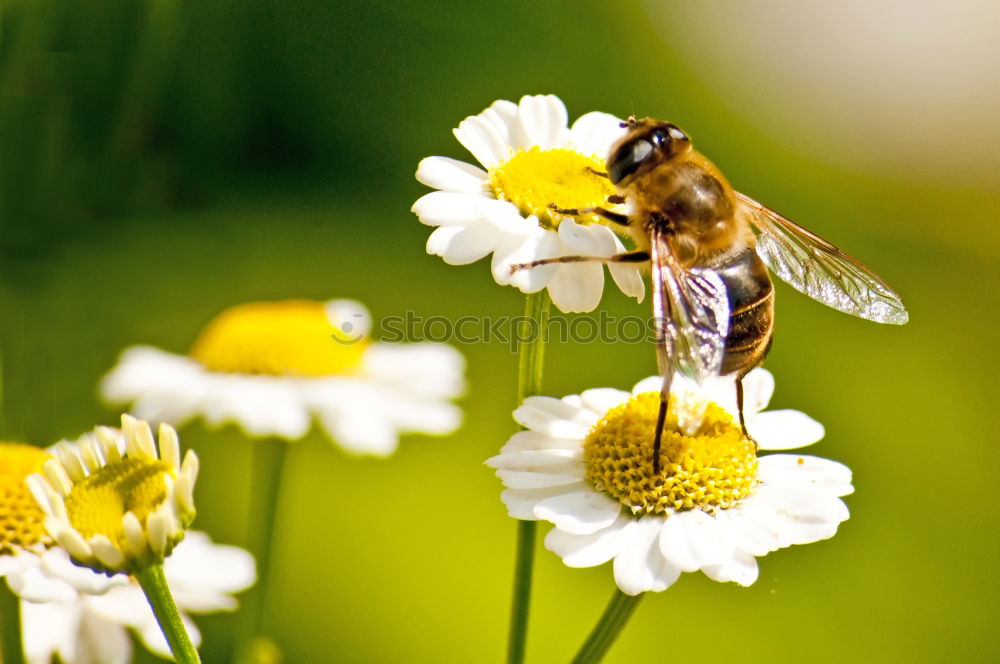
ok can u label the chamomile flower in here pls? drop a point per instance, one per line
(83, 629)
(532, 160)
(117, 501)
(26, 549)
(585, 465)
(270, 367)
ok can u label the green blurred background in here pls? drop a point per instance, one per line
(162, 160)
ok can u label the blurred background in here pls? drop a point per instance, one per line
(162, 160)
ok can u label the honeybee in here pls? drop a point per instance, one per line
(708, 248)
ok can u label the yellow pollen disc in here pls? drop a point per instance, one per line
(288, 338)
(713, 469)
(20, 517)
(97, 504)
(533, 179)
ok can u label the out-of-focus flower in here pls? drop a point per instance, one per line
(271, 366)
(532, 160)
(585, 464)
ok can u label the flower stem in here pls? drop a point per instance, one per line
(607, 629)
(531, 356)
(154, 584)
(11, 647)
(268, 465)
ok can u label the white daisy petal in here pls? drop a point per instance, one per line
(758, 387)
(693, 539)
(533, 440)
(741, 568)
(428, 369)
(554, 417)
(538, 246)
(796, 516)
(593, 133)
(805, 472)
(516, 479)
(459, 245)
(446, 208)
(784, 429)
(544, 461)
(484, 139)
(579, 513)
(749, 535)
(503, 116)
(627, 276)
(587, 550)
(521, 502)
(544, 120)
(651, 384)
(261, 405)
(451, 175)
(601, 400)
(577, 287)
(640, 567)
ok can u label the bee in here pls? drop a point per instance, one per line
(709, 248)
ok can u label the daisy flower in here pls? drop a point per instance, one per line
(26, 552)
(116, 501)
(270, 367)
(531, 160)
(584, 464)
(83, 629)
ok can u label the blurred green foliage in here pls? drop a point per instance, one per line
(162, 160)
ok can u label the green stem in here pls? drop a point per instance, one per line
(268, 466)
(531, 356)
(11, 647)
(607, 629)
(154, 584)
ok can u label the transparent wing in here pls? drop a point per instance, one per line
(815, 267)
(692, 314)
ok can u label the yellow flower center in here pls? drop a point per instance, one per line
(97, 504)
(712, 469)
(288, 338)
(534, 179)
(21, 520)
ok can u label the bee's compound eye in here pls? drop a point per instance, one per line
(676, 133)
(628, 159)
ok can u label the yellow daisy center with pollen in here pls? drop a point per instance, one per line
(97, 504)
(287, 338)
(534, 179)
(712, 469)
(21, 519)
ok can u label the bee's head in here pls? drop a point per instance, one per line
(648, 143)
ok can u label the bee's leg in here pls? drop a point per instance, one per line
(613, 217)
(739, 407)
(626, 257)
(661, 419)
(596, 172)
(615, 199)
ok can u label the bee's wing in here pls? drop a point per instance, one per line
(691, 308)
(815, 267)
